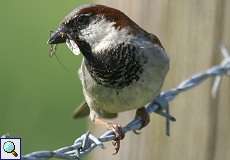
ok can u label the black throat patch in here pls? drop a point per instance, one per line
(117, 67)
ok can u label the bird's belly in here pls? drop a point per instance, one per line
(119, 100)
(136, 95)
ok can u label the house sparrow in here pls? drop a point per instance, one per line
(123, 67)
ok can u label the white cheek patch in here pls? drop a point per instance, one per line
(73, 47)
(102, 35)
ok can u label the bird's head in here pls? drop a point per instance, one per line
(95, 28)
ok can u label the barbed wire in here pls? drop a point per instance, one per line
(160, 105)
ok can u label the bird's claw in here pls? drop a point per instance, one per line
(136, 132)
(144, 116)
(117, 129)
(116, 144)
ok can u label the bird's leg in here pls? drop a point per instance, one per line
(144, 116)
(117, 129)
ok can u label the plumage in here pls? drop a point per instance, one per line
(134, 95)
(123, 67)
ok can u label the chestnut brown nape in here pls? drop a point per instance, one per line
(111, 14)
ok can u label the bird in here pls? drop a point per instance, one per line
(123, 66)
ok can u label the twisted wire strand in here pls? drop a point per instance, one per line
(87, 142)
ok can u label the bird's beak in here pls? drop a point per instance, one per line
(59, 36)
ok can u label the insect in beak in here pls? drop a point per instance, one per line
(57, 37)
(53, 47)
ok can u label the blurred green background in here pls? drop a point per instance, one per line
(37, 95)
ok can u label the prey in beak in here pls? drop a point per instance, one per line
(56, 37)
(60, 36)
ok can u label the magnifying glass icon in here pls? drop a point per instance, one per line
(9, 147)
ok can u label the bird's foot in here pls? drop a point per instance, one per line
(117, 129)
(142, 114)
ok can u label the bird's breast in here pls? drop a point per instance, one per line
(134, 95)
(117, 67)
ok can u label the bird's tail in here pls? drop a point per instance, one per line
(81, 111)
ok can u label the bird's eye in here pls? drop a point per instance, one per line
(83, 19)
